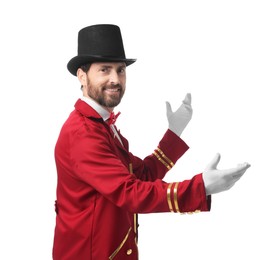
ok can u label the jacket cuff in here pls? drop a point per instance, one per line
(188, 196)
(172, 145)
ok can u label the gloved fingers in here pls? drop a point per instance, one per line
(188, 99)
(244, 164)
(238, 171)
(234, 179)
(185, 108)
(188, 107)
(169, 108)
(214, 163)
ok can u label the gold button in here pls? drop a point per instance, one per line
(129, 251)
(197, 211)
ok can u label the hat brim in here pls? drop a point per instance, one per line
(78, 61)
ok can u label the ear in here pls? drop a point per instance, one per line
(82, 77)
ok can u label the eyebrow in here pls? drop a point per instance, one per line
(110, 66)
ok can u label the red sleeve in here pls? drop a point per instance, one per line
(188, 196)
(94, 163)
(163, 158)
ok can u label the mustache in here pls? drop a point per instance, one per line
(113, 86)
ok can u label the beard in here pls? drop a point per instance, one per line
(107, 96)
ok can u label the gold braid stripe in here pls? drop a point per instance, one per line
(169, 197)
(161, 160)
(175, 197)
(130, 168)
(135, 216)
(165, 157)
(120, 246)
(175, 200)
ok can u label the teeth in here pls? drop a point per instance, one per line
(113, 90)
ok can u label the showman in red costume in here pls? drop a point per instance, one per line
(101, 185)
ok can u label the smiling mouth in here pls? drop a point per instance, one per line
(112, 90)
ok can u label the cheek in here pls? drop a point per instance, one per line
(124, 78)
(96, 85)
(123, 82)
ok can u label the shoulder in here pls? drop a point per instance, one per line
(78, 123)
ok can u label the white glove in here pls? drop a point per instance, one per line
(179, 119)
(220, 180)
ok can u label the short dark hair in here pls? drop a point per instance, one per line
(85, 68)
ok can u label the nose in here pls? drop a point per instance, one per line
(114, 78)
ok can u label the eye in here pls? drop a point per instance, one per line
(103, 69)
(122, 70)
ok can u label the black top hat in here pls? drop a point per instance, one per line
(102, 42)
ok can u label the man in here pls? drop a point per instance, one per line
(101, 185)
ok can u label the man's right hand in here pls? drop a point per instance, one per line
(216, 181)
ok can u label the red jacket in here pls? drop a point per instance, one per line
(101, 186)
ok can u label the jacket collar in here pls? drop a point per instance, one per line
(86, 110)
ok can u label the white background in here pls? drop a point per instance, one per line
(223, 52)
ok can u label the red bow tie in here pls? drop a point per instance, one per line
(112, 119)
